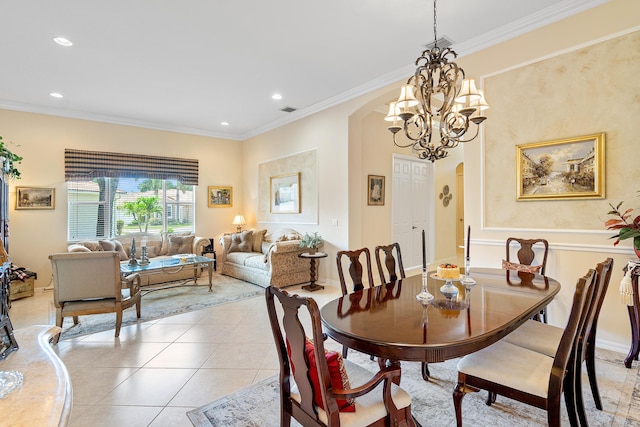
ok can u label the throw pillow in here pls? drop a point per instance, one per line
(107, 245)
(180, 244)
(521, 267)
(121, 251)
(258, 237)
(114, 246)
(337, 372)
(241, 242)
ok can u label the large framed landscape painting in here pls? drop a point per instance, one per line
(571, 168)
(35, 198)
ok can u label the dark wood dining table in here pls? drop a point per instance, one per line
(388, 321)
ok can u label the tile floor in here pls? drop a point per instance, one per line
(156, 371)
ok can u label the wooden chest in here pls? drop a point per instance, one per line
(20, 289)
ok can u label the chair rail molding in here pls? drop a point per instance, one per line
(571, 247)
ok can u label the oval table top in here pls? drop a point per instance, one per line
(388, 321)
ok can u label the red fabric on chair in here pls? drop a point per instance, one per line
(337, 371)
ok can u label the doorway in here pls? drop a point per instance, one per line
(460, 213)
(413, 208)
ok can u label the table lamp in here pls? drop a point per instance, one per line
(239, 221)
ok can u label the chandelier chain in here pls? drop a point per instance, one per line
(435, 27)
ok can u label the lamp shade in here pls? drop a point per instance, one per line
(238, 220)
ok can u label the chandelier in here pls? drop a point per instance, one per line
(437, 96)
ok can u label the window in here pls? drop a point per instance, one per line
(108, 207)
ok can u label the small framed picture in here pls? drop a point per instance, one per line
(375, 190)
(285, 193)
(35, 198)
(571, 168)
(219, 196)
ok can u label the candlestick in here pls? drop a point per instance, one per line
(467, 242)
(424, 253)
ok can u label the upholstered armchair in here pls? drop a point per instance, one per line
(90, 283)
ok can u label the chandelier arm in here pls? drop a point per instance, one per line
(472, 138)
(395, 142)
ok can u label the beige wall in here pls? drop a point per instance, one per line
(557, 101)
(41, 140)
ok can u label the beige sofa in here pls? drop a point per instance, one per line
(264, 258)
(159, 245)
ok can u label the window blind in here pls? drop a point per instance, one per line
(81, 165)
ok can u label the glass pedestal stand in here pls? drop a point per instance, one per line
(424, 297)
(449, 290)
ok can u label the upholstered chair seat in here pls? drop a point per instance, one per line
(369, 407)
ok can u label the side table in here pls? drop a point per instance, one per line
(209, 249)
(634, 318)
(312, 286)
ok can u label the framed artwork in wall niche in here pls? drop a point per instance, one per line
(285, 193)
(219, 196)
(571, 168)
(375, 190)
(35, 198)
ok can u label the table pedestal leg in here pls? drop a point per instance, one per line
(312, 286)
(211, 273)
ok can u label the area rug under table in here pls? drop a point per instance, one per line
(432, 404)
(167, 302)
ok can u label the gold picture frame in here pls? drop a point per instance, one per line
(375, 190)
(285, 193)
(563, 169)
(219, 196)
(35, 198)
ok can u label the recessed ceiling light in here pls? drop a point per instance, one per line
(276, 96)
(62, 41)
(56, 95)
(224, 123)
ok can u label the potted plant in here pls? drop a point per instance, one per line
(8, 161)
(311, 241)
(628, 227)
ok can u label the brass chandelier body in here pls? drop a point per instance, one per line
(439, 97)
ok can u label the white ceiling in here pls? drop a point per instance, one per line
(189, 65)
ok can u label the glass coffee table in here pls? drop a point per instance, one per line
(171, 265)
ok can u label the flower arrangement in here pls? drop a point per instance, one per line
(627, 226)
(311, 241)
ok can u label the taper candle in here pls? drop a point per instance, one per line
(468, 239)
(424, 253)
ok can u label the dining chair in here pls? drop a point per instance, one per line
(314, 389)
(525, 375)
(391, 275)
(544, 339)
(90, 283)
(356, 272)
(389, 263)
(526, 255)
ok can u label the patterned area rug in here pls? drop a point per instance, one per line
(167, 302)
(432, 404)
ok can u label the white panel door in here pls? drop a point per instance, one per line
(401, 216)
(412, 206)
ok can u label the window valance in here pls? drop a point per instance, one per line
(83, 165)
